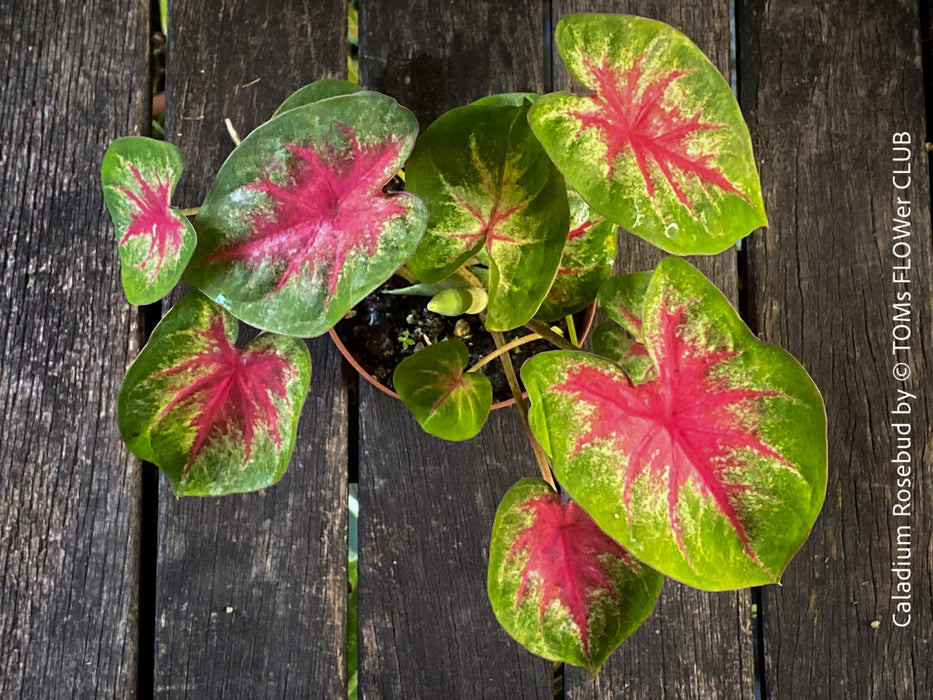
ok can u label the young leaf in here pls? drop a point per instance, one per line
(613, 343)
(216, 419)
(318, 90)
(296, 228)
(155, 241)
(659, 146)
(584, 265)
(489, 184)
(445, 400)
(558, 584)
(714, 469)
(622, 299)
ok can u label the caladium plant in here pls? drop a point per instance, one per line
(682, 446)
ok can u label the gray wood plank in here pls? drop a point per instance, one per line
(72, 78)
(696, 644)
(426, 506)
(826, 85)
(251, 589)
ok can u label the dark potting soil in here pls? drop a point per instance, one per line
(384, 329)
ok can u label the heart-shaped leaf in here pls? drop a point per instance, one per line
(155, 241)
(296, 229)
(445, 400)
(558, 584)
(216, 419)
(489, 184)
(714, 469)
(659, 146)
(316, 91)
(585, 263)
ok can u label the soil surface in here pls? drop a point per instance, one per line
(384, 329)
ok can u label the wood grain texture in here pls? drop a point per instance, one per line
(427, 506)
(825, 85)
(696, 644)
(434, 56)
(69, 503)
(251, 589)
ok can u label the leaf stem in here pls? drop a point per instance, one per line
(470, 278)
(544, 330)
(191, 211)
(523, 410)
(406, 275)
(511, 345)
(572, 330)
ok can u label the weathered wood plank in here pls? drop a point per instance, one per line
(696, 644)
(74, 77)
(426, 506)
(251, 589)
(825, 86)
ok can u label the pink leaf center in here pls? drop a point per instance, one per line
(632, 117)
(686, 426)
(233, 392)
(563, 551)
(152, 218)
(326, 205)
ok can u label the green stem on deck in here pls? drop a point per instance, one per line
(523, 410)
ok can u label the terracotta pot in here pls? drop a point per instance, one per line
(589, 315)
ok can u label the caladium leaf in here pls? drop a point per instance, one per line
(713, 470)
(445, 400)
(558, 584)
(613, 343)
(585, 263)
(296, 228)
(318, 90)
(489, 184)
(155, 240)
(622, 299)
(659, 146)
(509, 99)
(216, 419)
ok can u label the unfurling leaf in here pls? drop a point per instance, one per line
(490, 186)
(713, 469)
(558, 584)
(455, 302)
(155, 241)
(660, 145)
(216, 419)
(445, 400)
(584, 265)
(296, 228)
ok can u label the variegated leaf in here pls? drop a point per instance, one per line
(318, 90)
(296, 228)
(489, 184)
(585, 263)
(445, 400)
(155, 240)
(713, 470)
(216, 419)
(660, 145)
(612, 342)
(558, 584)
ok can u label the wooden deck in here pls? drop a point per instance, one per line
(110, 587)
